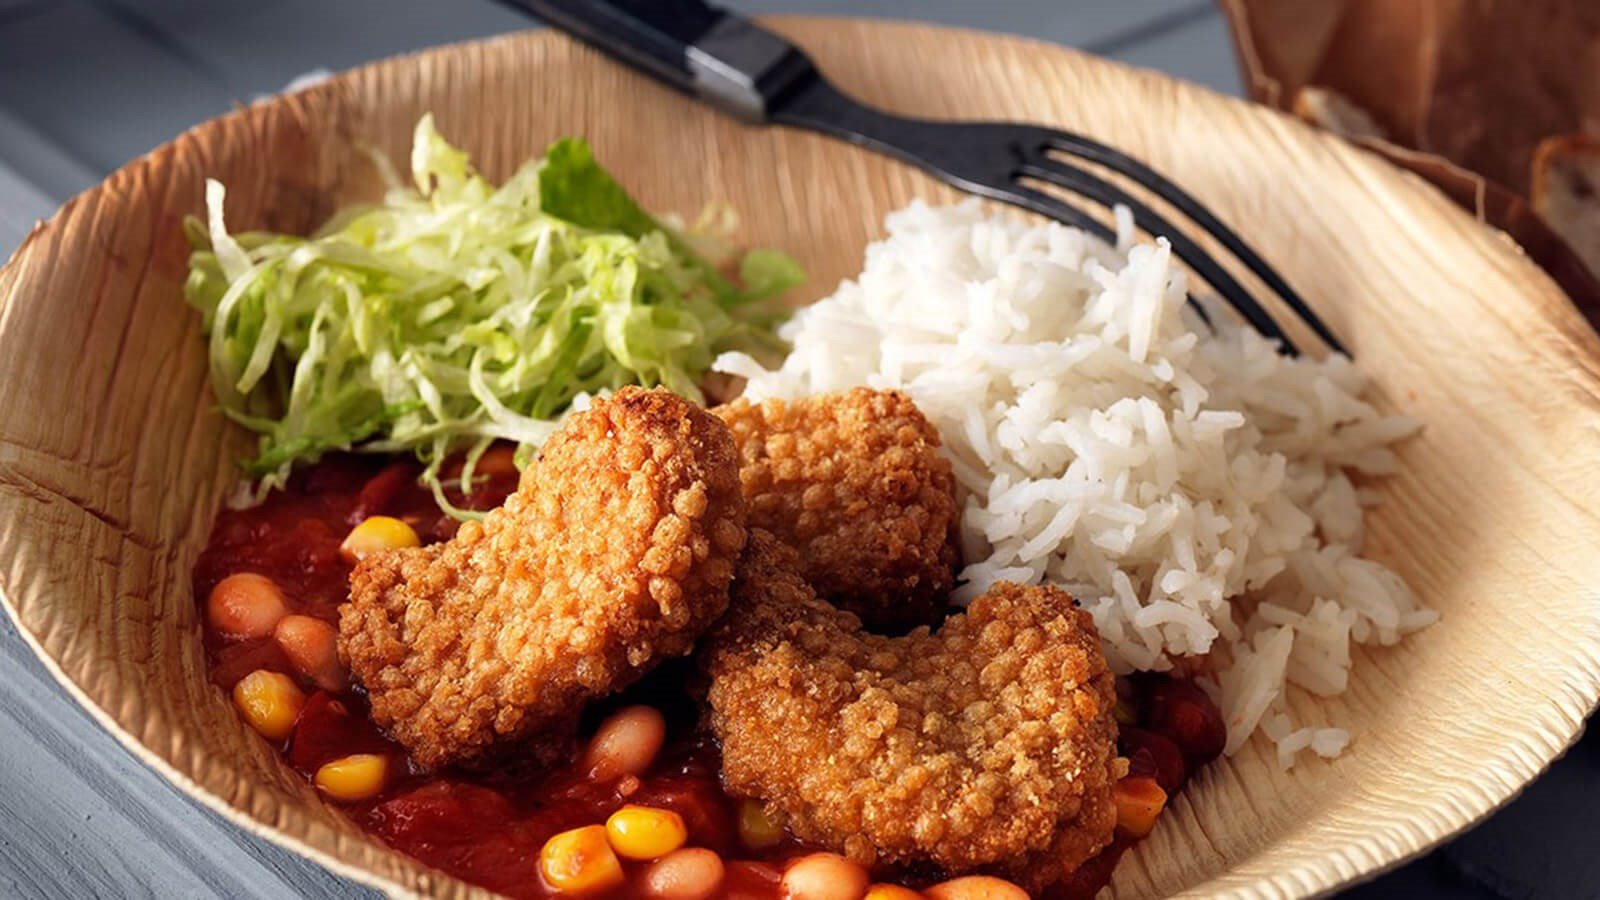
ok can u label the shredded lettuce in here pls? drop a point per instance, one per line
(455, 312)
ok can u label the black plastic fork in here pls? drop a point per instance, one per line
(758, 76)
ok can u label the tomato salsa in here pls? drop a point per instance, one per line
(270, 583)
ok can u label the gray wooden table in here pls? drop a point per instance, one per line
(87, 84)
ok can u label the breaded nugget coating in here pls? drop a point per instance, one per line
(855, 483)
(615, 552)
(987, 745)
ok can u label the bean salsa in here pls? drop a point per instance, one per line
(639, 810)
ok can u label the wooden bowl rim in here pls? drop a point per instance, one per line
(1323, 878)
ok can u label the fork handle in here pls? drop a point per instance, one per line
(725, 60)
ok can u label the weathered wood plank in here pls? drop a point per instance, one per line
(159, 67)
(1192, 47)
(21, 204)
(96, 90)
(83, 818)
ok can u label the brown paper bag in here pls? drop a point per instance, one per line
(1462, 92)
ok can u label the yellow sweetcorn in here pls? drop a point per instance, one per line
(756, 829)
(580, 860)
(377, 533)
(1139, 803)
(644, 832)
(270, 702)
(355, 777)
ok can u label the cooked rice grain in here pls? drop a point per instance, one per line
(1199, 493)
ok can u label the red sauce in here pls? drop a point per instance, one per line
(488, 827)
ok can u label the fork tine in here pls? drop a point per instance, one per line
(1108, 194)
(1158, 184)
(1045, 205)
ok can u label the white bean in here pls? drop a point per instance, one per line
(626, 743)
(824, 876)
(976, 887)
(246, 605)
(693, 873)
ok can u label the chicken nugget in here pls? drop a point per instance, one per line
(854, 482)
(615, 552)
(988, 745)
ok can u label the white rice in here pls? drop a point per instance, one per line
(1197, 491)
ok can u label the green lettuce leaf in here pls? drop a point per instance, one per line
(457, 312)
(765, 274)
(572, 186)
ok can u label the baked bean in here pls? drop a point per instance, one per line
(1183, 712)
(246, 605)
(692, 873)
(976, 887)
(626, 743)
(313, 648)
(891, 892)
(1153, 754)
(824, 876)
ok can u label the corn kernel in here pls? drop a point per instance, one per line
(1139, 801)
(580, 860)
(891, 892)
(756, 828)
(374, 534)
(354, 777)
(270, 702)
(643, 832)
